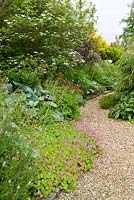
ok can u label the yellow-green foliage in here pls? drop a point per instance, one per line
(105, 51)
(100, 45)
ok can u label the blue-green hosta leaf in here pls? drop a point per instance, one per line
(28, 91)
(80, 98)
(12, 99)
(8, 87)
(32, 103)
(57, 115)
(38, 90)
(34, 98)
(28, 95)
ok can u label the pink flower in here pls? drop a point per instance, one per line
(77, 157)
(14, 158)
(90, 146)
(40, 129)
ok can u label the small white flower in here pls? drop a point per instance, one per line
(9, 181)
(29, 183)
(4, 164)
(18, 187)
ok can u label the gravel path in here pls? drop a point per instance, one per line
(113, 176)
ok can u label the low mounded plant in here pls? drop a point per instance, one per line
(124, 108)
(107, 101)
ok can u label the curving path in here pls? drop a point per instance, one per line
(113, 176)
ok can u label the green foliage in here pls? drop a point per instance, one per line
(36, 102)
(81, 77)
(100, 47)
(28, 71)
(124, 90)
(40, 105)
(105, 74)
(67, 99)
(39, 39)
(64, 154)
(111, 53)
(6, 9)
(114, 54)
(107, 101)
(17, 170)
(126, 76)
(124, 108)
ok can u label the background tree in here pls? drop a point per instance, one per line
(128, 31)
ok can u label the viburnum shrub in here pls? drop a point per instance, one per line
(51, 29)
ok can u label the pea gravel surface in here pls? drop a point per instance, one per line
(113, 175)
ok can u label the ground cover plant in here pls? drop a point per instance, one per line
(65, 153)
(39, 144)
